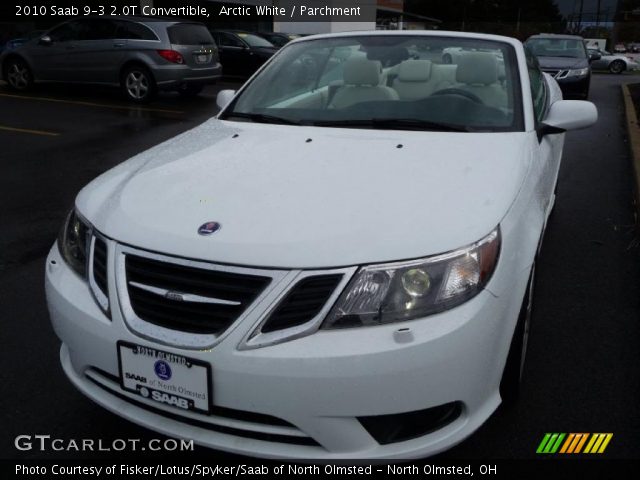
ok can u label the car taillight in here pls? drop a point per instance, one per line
(171, 55)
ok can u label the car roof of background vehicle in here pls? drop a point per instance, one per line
(167, 21)
(558, 36)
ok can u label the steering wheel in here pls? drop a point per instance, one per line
(458, 91)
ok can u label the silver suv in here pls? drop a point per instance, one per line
(139, 55)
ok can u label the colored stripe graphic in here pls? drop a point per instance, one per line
(574, 443)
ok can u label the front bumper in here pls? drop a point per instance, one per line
(317, 386)
(575, 87)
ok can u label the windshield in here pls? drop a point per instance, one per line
(387, 82)
(557, 47)
(255, 41)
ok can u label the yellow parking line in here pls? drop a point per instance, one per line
(92, 104)
(27, 130)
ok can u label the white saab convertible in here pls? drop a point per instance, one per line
(340, 265)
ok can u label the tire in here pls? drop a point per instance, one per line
(512, 375)
(617, 67)
(18, 75)
(188, 90)
(138, 84)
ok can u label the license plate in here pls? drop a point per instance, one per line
(202, 58)
(165, 377)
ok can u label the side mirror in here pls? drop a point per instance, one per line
(224, 98)
(595, 56)
(45, 40)
(566, 115)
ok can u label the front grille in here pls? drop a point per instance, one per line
(186, 298)
(303, 302)
(100, 264)
(243, 424)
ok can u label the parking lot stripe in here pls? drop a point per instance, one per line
(27, 130)
(92, 104)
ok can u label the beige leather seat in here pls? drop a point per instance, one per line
(412, 80)
(361, 84)
(478, 73)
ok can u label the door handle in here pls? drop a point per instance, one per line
(118, 45)
(71, 47)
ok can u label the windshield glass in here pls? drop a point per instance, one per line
(387, 82)
(557, 47)
(255, 41)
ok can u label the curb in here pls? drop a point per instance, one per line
(633, 131)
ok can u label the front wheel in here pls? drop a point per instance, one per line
(138, 84)
(617, 67)
(512, 376)
(19, 76)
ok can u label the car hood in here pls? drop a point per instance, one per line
(303, 197)
(562, 63)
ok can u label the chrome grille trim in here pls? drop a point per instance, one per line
(100, 297)
(178, 338)
(257, 339)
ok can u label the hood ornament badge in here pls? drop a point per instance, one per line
(209, 228)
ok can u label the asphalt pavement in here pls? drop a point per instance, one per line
(583, 369)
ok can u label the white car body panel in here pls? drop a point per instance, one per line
(309, 205)
(346, 198)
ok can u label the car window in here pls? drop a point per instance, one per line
(189, 34)
(97, 29)
(390, 77)
(538, 91)
(557, 47)
(254, 40)
(134, 31)
(67, 32)
(228, 40)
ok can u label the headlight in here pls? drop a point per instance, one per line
(72, 243)
(581, 72)
(396, 292)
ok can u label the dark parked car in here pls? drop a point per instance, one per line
(279, 39)
(16, 42)
(242, 53)
(140, 55)
(565, 58)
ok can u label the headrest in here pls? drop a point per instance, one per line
(360, 71)
(477, 68)
(414, 71)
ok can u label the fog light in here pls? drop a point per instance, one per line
(416, 282)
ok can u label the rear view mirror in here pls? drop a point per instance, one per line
(45, 40)
(595, 56)
(566, 115)
(224, 98)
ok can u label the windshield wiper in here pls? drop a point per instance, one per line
(261, 118)
(394, 124)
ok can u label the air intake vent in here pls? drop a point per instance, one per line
(100, 265)
(189, 299)
(302, 303)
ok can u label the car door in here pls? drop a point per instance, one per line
(233, 54)
(602, 63)
(96, 55)
(51, 60)
(550, 145)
